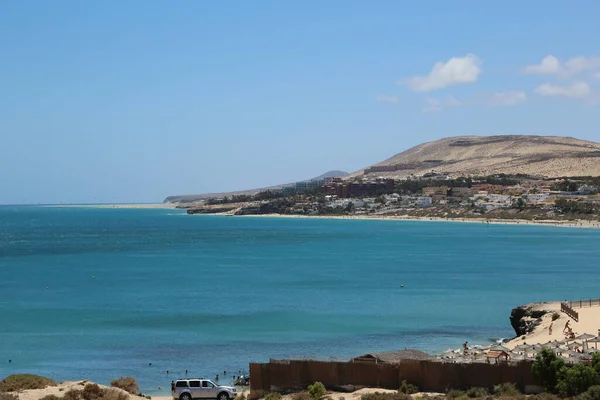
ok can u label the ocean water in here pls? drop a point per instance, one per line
(92, 293)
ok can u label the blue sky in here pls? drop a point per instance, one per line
(132, 101)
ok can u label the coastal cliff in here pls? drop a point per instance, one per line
(524, 319)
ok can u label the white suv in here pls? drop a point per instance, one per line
(188, 389)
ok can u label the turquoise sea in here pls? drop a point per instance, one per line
(97, 293)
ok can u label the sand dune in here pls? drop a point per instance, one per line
(548, 156)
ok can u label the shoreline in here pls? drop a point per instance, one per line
(550, 223)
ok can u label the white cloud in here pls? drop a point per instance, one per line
(596, 75)
(386, 98)
(455, 71)
(578, 90)
(551, 65)
(500, 99)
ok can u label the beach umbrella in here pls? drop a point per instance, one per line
(522, 347)
(519, 357)
(585, 336)
(570, 353)
(499, 347)
(595, 340)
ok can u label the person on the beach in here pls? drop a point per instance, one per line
(550, 329)
(567, 325)
(217, 378)
(465, 347)
(173, 386)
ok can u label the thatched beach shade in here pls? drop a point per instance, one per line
(592, 351)
(576, 344)
(499, 347)
(595, 341)
(522, 348)
(519, 357)
(585, 336)
(570, 353)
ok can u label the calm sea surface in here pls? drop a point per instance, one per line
(90, 293)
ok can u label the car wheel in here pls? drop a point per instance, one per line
(185, 396)
(223, 396)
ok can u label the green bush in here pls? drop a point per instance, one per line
(316, 390)
(576, 379)
(127, 383)
(475, 392)
(546, 368)
(593, 393)
(16, 382)
(408, 388)
(8, 396)
(273, 396)
(506, 389)
(455, 394)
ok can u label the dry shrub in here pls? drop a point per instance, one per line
(73, 394)
(476, 392)
(240, 396)
(455, 394)
(127, 383)
(544, 396)
(8, 396)
(51, 397)
(301, 396)
(16, 382)
(385, 396)
(506, 390)
(408, 388)
(273, 396)
(114, 394)
(91, 391)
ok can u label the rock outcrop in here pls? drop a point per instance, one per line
(524, 319)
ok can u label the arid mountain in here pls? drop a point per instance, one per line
(547, 156)
(188, 198)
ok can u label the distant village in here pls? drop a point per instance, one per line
(431, 194)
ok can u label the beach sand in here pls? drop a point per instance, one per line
(589, 322)
(556, 223)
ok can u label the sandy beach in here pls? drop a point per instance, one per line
(556, 223)
(589, 322)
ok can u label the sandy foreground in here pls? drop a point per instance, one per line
(66, 386)
(589, 322)
(62, 388)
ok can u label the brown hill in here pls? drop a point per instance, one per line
(547, 156)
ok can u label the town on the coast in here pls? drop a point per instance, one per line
(431, 195)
